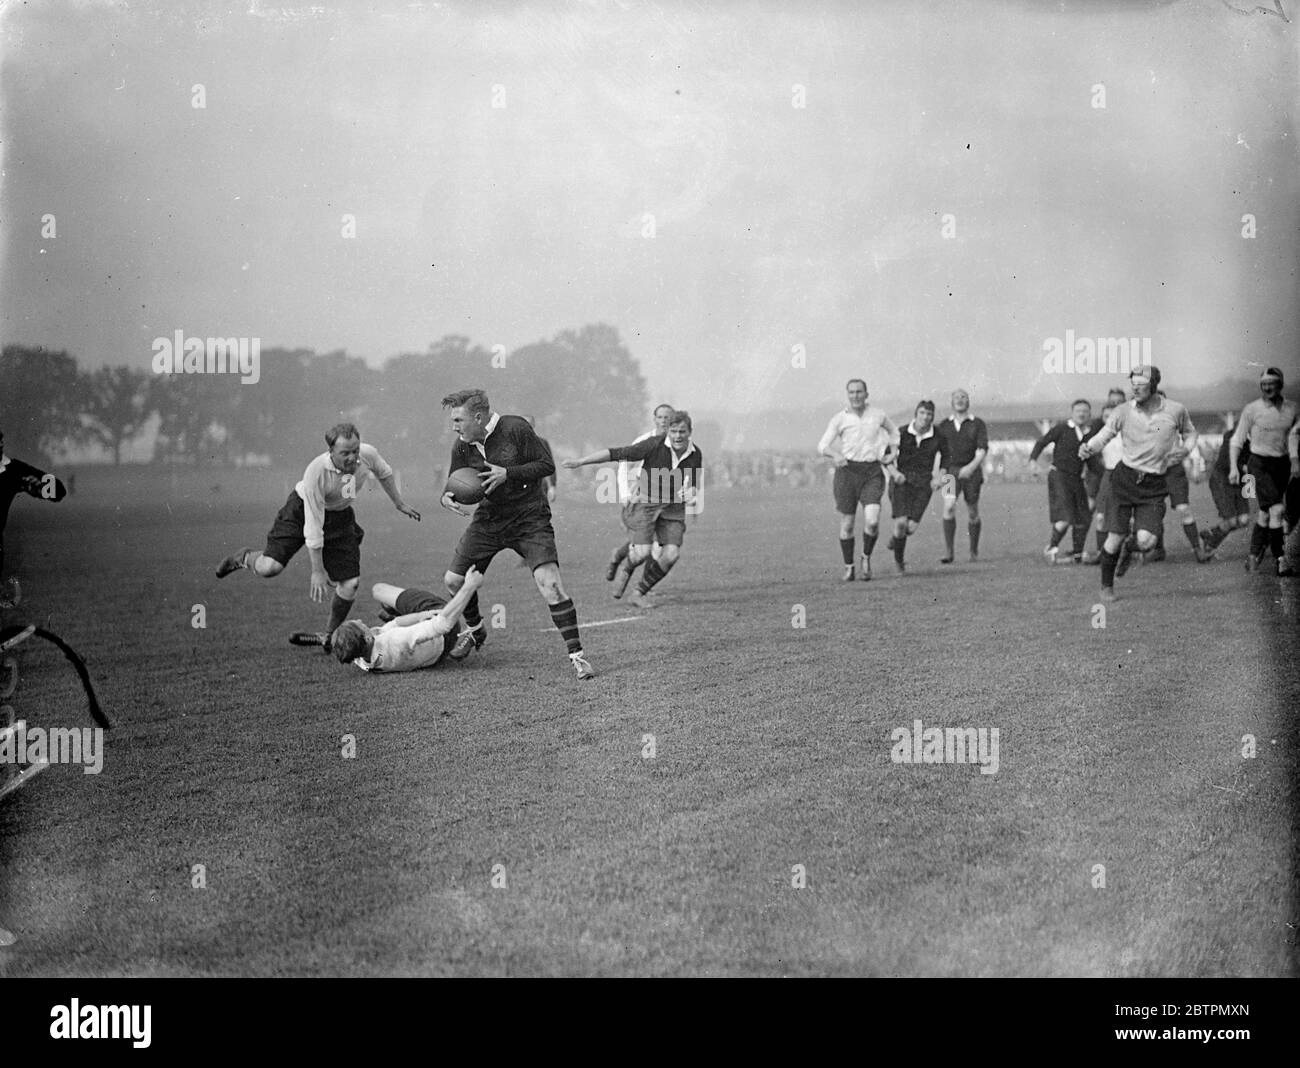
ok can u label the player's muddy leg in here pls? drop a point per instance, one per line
(949, 528)
(564, 614)
(345, 593)
(636, 556)
(846, 541)
(656, 570)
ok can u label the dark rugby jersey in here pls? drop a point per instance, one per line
(17, 477)
(916, 455)
(1065, 440)
(663, 474)
(958, 446)
(511, 443)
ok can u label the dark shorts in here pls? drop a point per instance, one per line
(1179, 490)
(529, 533)
(342, 550)
(1228, 501)
(1103, 494)
(1138, 496)
(1091, 482)
(967, 488)
(858, 483)
(662, 523)
(411, 601)
(1272, 473)
(910, 499)
(1067, 499)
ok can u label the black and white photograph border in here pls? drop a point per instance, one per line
(470, 467)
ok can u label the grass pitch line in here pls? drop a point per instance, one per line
(597, 623)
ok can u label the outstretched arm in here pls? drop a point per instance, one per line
(591, 458)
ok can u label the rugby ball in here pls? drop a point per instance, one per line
(465, 486)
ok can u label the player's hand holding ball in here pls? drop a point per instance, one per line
(492, 477)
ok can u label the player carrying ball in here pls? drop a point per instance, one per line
(513, 464)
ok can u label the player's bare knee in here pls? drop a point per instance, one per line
(267, 567)
(638, 553)
(669, 555)
(453, 581)
(348, 588)
(1146, 540)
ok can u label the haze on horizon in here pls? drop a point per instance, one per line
(775, 226)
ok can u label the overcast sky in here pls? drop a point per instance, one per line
(774, 225)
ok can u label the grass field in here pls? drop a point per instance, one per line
(1119, 747)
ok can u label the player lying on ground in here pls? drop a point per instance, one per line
(513, 464)
(1067, 493)
(859, 439)
(914, 478)
(628, 474)
(1156, 433)
(1269, 425)
(319, 514)
(669, 482)
(422, 628)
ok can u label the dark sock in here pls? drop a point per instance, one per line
(1108, 562)
(949, 533)
(900, 546)
(1160, 538)
(1079, 535)
(1193, 538)
(653, 573)
(1057, 535)
(1258, 540)
(620, 554)
(470, 615)
(846, 550)
(339, 609)
(973, 529)
(1101, 541)
(868, 543)
(1277, 543)
(565, 618)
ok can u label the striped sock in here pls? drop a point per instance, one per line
(565, 617)
(653, 573)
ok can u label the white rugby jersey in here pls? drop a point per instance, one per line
(405, 648)
(324, 488)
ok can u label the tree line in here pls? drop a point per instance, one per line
(583, 387)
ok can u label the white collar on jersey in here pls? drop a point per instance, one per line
(491, 425)
(4, 463)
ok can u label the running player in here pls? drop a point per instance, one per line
(858, 439)
(319, 514)
(1067, 496)
(628, 473)
(1233, 509)
(1156, 433)
(512, 462)
(963, 444)
(1266, 424)
(913, 479)
(669, 482)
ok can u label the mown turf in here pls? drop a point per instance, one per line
(1118, 747)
